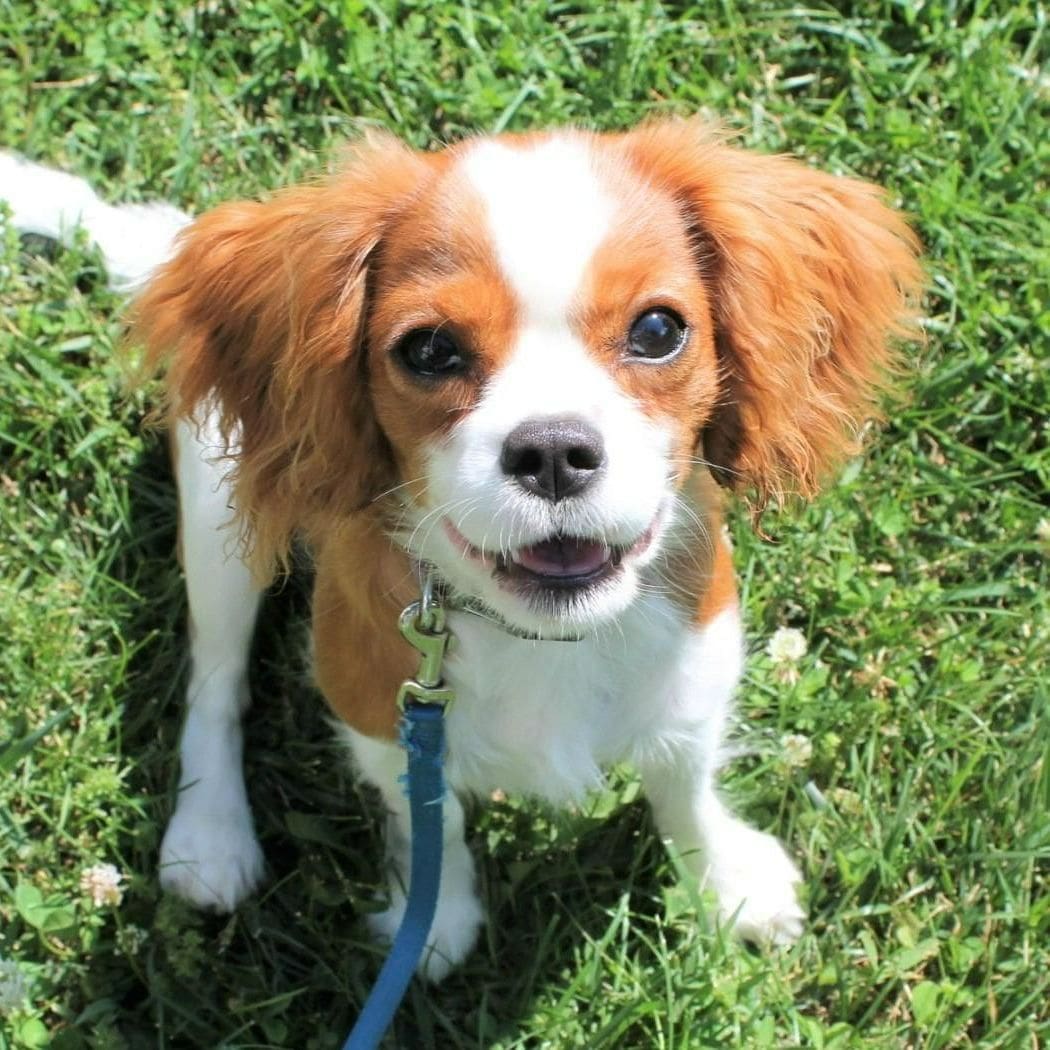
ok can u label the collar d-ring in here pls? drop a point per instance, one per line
(431, 608)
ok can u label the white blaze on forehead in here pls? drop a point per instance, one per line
(547, 214)
(548, 211)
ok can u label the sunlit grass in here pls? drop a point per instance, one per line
(920, 580)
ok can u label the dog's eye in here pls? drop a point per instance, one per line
(431, 352)
(656, 334)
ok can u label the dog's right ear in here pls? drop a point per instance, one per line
(261, 314)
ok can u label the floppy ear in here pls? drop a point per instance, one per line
(812, 278)
(261, 312)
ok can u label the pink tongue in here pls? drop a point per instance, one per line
(564, 557)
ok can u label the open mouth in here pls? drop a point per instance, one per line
(559, 563)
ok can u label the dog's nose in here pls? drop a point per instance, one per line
(553, 458)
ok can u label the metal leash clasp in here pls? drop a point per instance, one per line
(423, 626)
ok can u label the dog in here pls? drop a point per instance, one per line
(530, 365)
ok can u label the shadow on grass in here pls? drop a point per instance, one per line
(293, 965)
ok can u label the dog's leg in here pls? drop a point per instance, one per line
(752, 877)
(210, 854)
(459, 914)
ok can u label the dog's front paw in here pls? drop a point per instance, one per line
(757, 887)
(211, 860)
(453, 933)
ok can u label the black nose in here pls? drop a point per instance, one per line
(553, 458)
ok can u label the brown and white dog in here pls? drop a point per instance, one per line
(527, 362)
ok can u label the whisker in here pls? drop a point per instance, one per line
(395, 488)
(721, 468)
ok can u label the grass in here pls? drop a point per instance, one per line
(920, 579)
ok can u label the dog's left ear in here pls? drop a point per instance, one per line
(812, 278)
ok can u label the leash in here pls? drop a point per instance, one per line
(422, 701)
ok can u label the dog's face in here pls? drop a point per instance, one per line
(519, 349)
(541, 358)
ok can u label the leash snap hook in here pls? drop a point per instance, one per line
(423, 626)
(422, 701)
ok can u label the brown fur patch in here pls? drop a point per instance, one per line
(720, 592)
(644, 263)
(262, 306)
(360, 657)
(811, 277)
(697, 569)
(436, 270)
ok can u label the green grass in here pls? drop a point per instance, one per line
(920, 579)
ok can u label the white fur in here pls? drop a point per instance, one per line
(547, 215)
(543, 718)
(210, 854)
(753, 880)
(548, 212)
(133, 238)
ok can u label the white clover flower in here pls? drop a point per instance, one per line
(847, 802)
(14, 988)
(787, 646)
(797, 750)
(131, 939)
(1042, 530)
(1025, 363)
(786, 674)
(101, 883)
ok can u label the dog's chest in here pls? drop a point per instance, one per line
(542, 718)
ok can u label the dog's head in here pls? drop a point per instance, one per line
(517, 351)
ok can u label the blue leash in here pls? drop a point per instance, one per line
(423, 734)
(422, 700)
